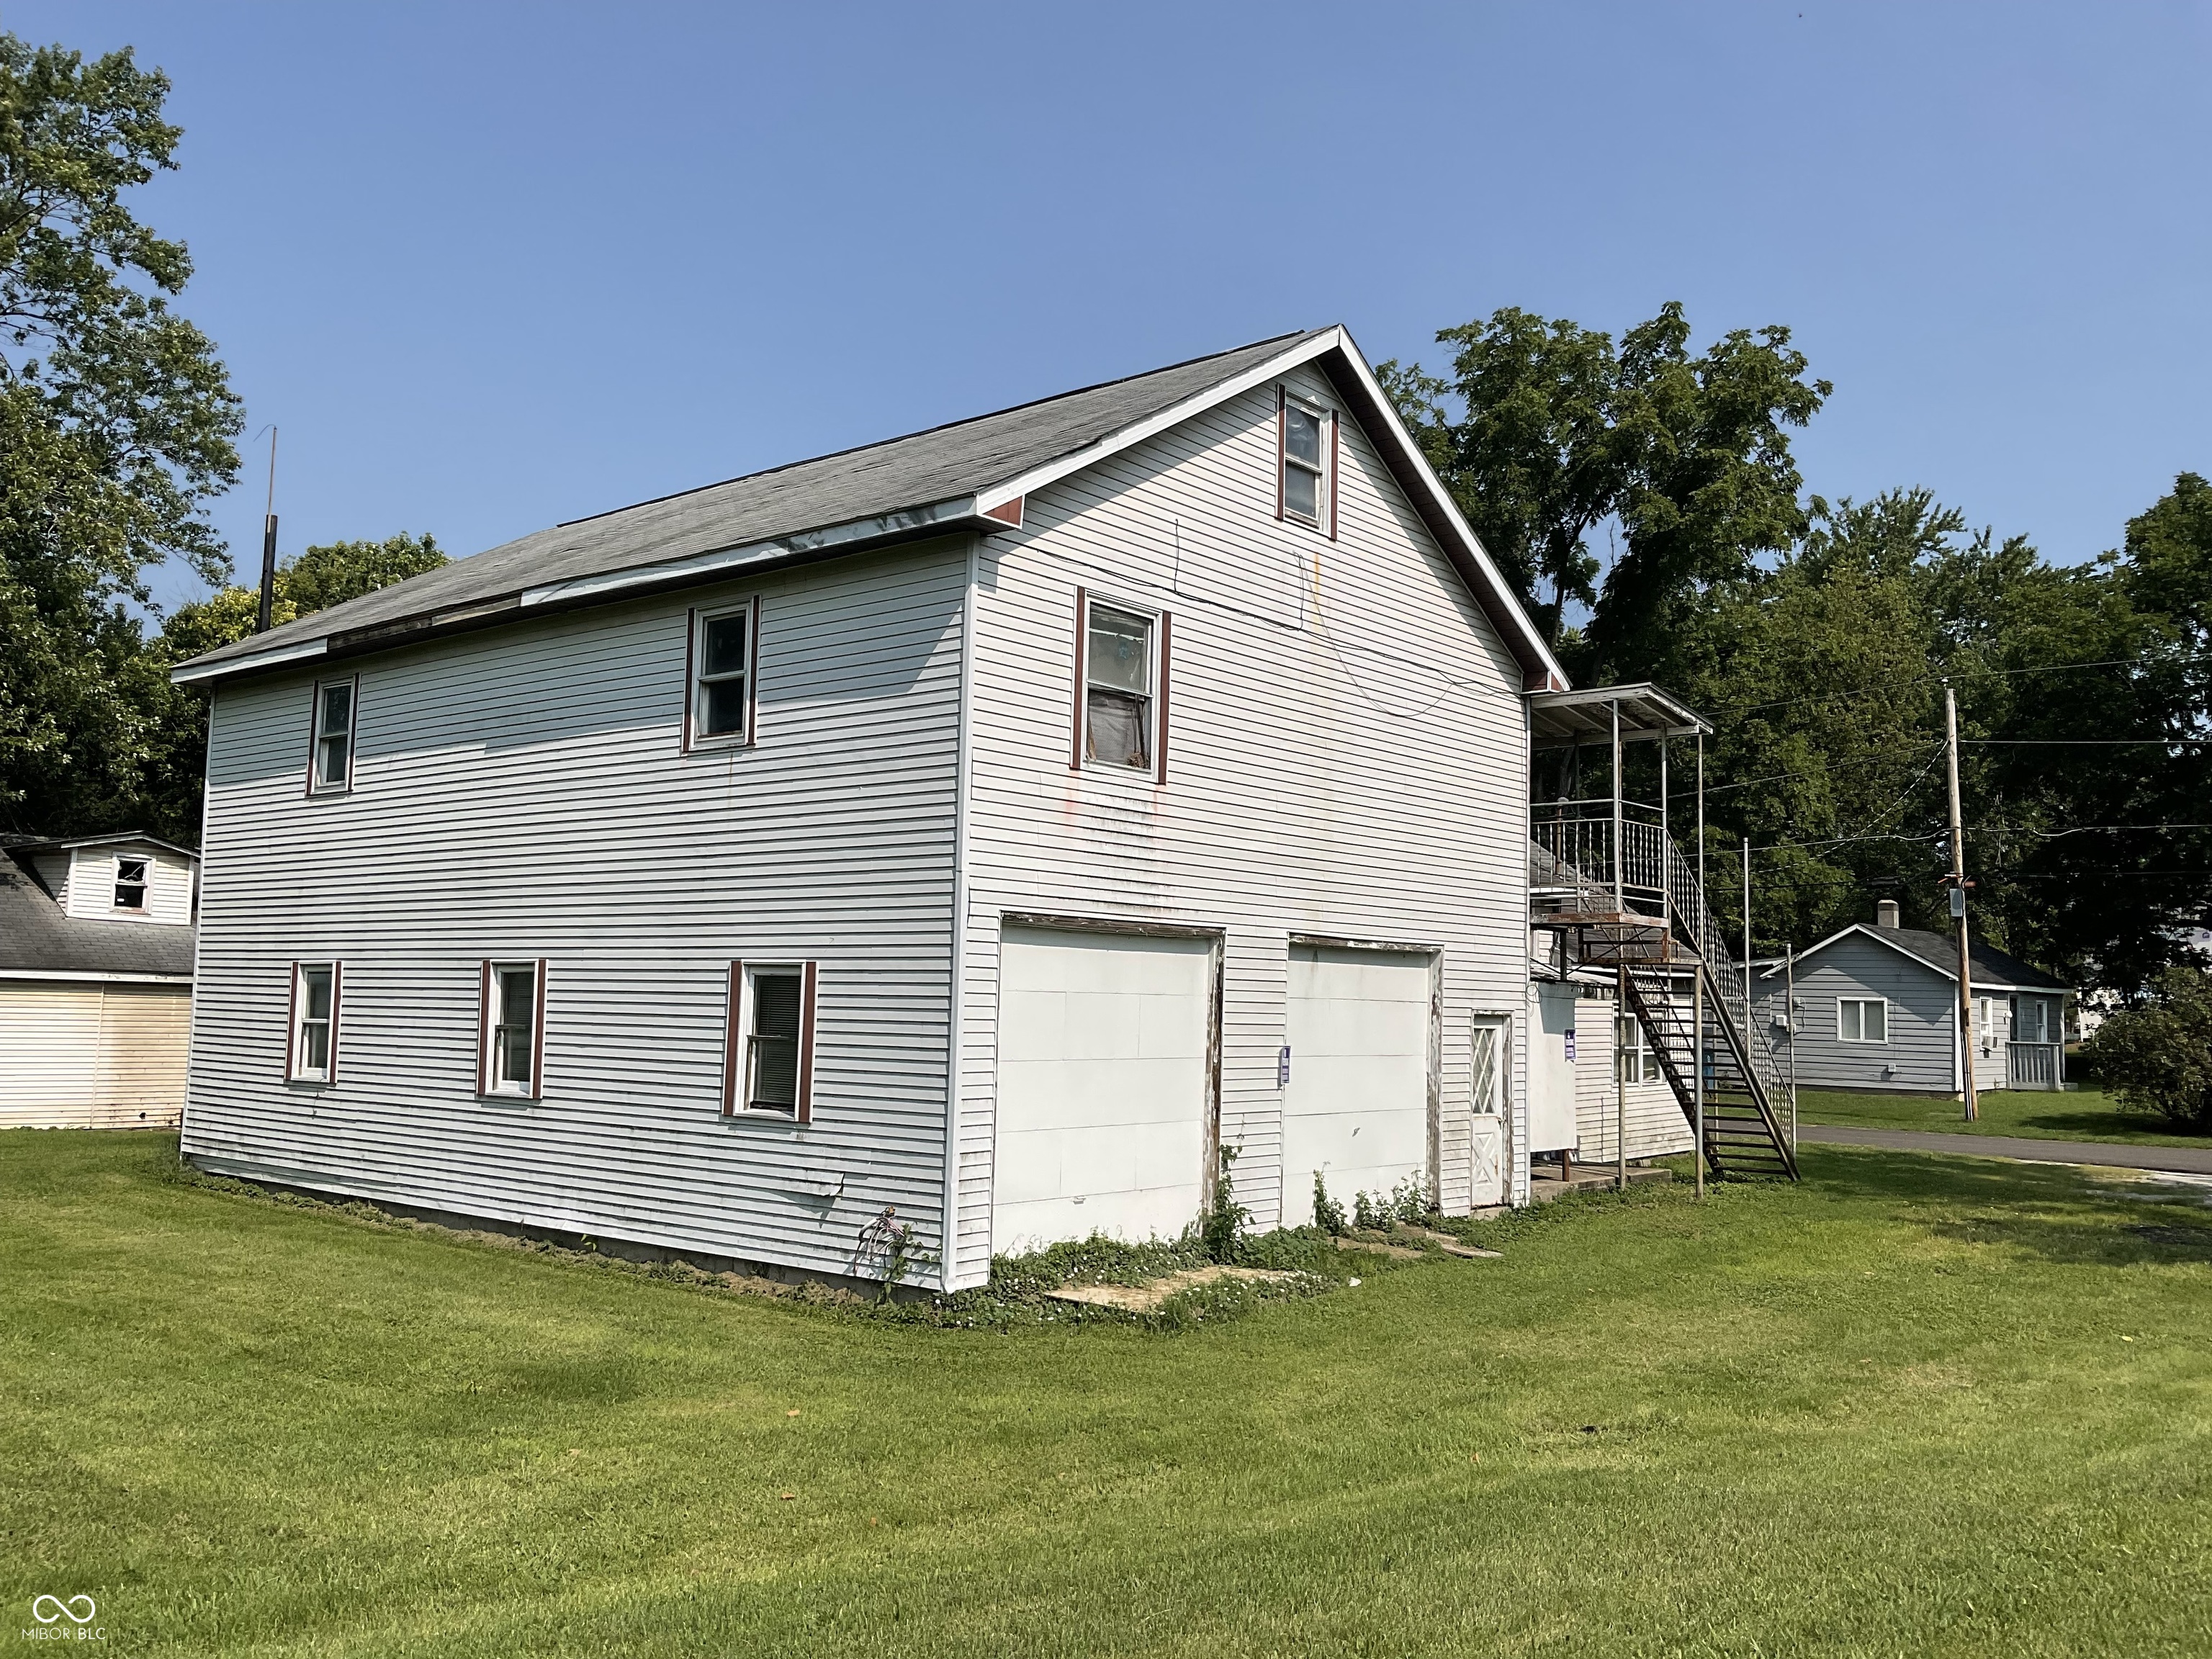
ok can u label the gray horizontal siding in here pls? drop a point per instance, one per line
(1346, 755)
(1918, 1057)
(521, 793)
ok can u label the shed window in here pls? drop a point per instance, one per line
(1118, 701)
(1306, 440)
(1637, 1063)
(1862, 1020)
(770, 1067)
(315, 1004)
(334, 721)
(130, 883)
(722, 676)
(513, 1027)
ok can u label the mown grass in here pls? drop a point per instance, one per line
(2034, 1114)
(1915, 1405)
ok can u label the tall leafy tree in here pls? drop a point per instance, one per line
(117, 424)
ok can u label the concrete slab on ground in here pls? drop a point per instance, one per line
(1143, 1298)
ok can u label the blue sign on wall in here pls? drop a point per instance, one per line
(1570, 1046)
(1283, 1067)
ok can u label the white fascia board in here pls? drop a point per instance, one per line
(1337, 340)
(1951, 974)
(202, 669)
(948, 515)
(79, 976)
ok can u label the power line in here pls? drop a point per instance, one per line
(1961, 673)
(2081, 743)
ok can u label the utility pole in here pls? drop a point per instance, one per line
(1959, 884)
(268, 543)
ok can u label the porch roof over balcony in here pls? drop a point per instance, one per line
(1557, 718)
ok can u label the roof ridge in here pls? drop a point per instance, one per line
(942, 426)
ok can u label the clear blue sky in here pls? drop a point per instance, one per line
(490, 267)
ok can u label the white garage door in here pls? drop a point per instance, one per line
(1102, 1086)
(1357, 1107)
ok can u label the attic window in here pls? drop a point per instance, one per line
(1308, 446)
(130, 883)
(1117, 660)
(723, 657)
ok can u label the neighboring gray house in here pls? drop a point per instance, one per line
(95, 982)
(1877, 1007)
(986, 824)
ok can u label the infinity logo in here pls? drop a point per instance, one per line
(40, 1604)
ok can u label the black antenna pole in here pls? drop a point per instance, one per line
(268, 543)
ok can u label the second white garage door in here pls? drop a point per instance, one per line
(1357, 1107)
(1104, 1085)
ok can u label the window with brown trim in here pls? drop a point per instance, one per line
(768, 1061)
(1308, 447)
(1120, 686)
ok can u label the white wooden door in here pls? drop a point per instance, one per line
(1551, 1069)
(1104, 1086)
(1356, 1111)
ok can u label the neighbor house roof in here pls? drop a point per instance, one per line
(1992, 968)
(972, 475)
(38, 937)
(117, 838)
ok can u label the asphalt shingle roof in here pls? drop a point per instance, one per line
(1992, 966)
(36, 934)
(920, 469)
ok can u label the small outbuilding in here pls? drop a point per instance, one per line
(1876, 1007)
(96, 941)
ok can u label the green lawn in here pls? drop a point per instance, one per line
(2037, 1114)
(1915, 1405)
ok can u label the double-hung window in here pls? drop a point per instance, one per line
(512, 1061)
(131, 884)
(1307, 444)
(1637, 1063)
(723, 657)
(331, 767)
(1120, 704)
(315, 1022)
(1862, 1020)
(769, 1064)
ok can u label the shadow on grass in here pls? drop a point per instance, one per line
(2049, 1210)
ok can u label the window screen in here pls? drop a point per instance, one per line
(514, 1028)
(772, 1064)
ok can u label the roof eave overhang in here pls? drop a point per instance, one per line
(910, 524)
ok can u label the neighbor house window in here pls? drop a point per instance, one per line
(1122, 685)
(332, 766)
(1308, 451)
(130, 883)
(769, 1064)
(314, 1021)
(722, 674)
(513, 1029)
(1862, 1019)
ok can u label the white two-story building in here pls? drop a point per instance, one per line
(989, 824)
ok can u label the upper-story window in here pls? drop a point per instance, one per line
(1120, 709)
(1307, 460)
(332, 765)
(131, 884)
(723, 657)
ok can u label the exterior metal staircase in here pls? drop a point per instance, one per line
(1655, 927)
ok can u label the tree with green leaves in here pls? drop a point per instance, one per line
(116, 425)
(1557, 433)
